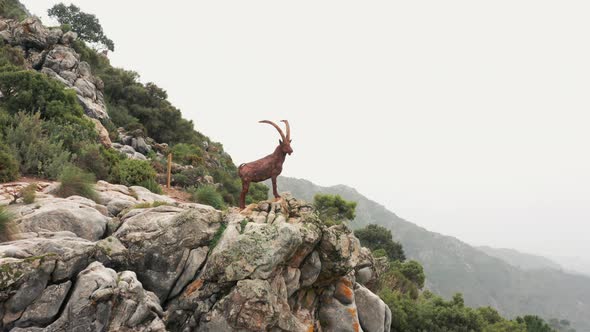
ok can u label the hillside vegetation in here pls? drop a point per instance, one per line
(45, 122)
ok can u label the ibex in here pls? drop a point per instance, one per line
(268, 167)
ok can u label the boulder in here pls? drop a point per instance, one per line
(144, 195)
(374, 315)
(338, 311)
(45, 308)
(254, 254)
(103, 299)
(339, 252)
(160, 241)
(57, 214)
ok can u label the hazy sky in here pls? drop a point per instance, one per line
(469, 118)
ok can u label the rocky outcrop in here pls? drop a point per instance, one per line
(183, 267)
(50, 51)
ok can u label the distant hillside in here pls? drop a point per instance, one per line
(453, 266)
(521, 260)
(576, 265)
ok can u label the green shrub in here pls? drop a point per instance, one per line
(152, 186)
(30, 91)
(377, 237)
(6, 228)
(187, 154)
(75, 181)
(8, 165)
(36, 153)
(333, 208)
(12, 9)
(91, 159)
(28, 193)
(209, 196)
(11, 56)
(189, 177)
(134, 172)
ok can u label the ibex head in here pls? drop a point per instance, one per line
(285, 141)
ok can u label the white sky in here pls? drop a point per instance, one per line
(469, 118)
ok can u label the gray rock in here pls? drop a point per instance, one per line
(339, 252)
(68, 38)
(254, 254)
(291, 276)
(30, 33)
(141, 146)
(374, 314)
(45, 308)
(116, 205)
(252, 305)
(127, 149)
(161, 239)
(138, 156)
(336, 316)
(310, 270)
(144, 195)
(104, 300)
(195, 261)
(61, 58)
(84, 70)
(57, 214)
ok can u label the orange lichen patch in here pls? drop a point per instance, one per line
(310, 328)
(352, 312)
(346, 282)
(355, 323)
(194, 286)
(344, 292)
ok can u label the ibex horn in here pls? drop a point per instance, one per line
(288, 129)
(275, 125)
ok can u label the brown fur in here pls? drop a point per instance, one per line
(268, 167)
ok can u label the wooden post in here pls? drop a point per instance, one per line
(169, 170)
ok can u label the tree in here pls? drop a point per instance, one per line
(85, 25)
(414, 272)
(333, 208)
(534, 324)
(376, 237)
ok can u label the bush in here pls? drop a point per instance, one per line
(75, 181)
(8, 165)
(6, 228)
(209, 196)
(90, 158)
(187, 154)
(134, 172)
(12, 9)
(152, 186)
(333, 208)
(35, 152)
(377, 237)
(30, 91)
(28, 193)
(189, 177)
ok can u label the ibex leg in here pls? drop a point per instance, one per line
(245, 188)
(274, 187)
